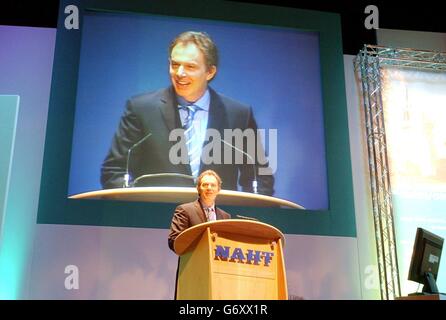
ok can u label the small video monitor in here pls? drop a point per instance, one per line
(425, 260)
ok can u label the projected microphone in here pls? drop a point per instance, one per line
(175, 179)
(127, 175)
(254, 182)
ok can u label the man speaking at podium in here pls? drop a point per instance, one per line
(201, 210)
(142, 145)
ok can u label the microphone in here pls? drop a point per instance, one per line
(246, 218)
(254, 182)
(127, 175)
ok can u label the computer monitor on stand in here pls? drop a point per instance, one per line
(426, 260)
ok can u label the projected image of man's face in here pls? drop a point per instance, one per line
(188, 71)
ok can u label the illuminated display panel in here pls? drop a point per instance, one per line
(333, 215)
(273, 70)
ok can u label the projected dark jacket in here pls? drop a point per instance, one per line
(157, 113)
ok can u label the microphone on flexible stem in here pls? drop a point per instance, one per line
(254, 182)
(127, 175)
(246, 218)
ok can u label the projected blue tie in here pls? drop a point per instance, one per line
(192, 139)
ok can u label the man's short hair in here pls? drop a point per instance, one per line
(203, 41)
(209, 173)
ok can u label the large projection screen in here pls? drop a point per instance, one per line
(320, 139)
(275, 70)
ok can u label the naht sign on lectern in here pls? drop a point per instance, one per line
(231, 259)
(237, 255)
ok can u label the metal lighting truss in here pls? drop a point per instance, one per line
(369, 62)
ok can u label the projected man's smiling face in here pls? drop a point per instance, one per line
(188, 71)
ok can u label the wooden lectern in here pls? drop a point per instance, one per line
(229, 260)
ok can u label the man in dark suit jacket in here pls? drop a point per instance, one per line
(193, 64)
(201, 210)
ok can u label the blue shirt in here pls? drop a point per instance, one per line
(201, 118)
